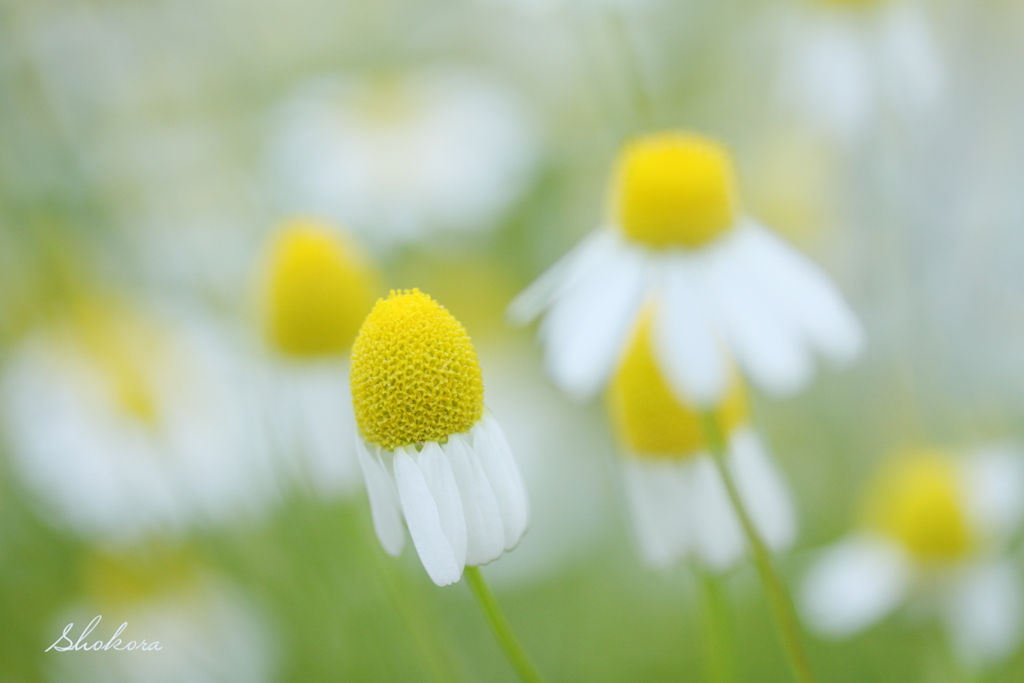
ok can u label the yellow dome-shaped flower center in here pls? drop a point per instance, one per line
(415, 375)
(674, 190)
(319, 290)
(918, 501)
(648, 417)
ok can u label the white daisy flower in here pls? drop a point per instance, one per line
(127, 422)
(936, 528)
(676, 497)
(203, 628)
(846, 62)
(402, 156)
(317, 289)
(718, 284)
(430, 451)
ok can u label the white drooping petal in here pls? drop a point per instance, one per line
(437, 472)
(492, 448)
(765, 344)
(384, 506)
(424, 522)
(763, 490)
(718, 538)
(485, 532)
(310, 415)
(994, 489)
(685, 342)
(984, 613)
(802, 292)
(657, 494)
(563, 276)
(585, 330)
(853, 584)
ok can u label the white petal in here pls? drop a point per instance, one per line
(717, 533)
(994, 488)
(564, 275)
(802, 292)
(854, 584)
(424, 522)
(437, 472)
(485, 533)
(763, 490)
(766, 345)
(500, 467)
(984, 613)
(387, 520)
(685, 342)
(585, 330)
(657, 492)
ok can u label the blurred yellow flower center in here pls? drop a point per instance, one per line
(918, 501)
(319, 290)
(674, 190)
(128, 351)
(415, 375)
(648, 417)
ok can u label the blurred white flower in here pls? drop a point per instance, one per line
(848, 62)
(676, 496)
(938, 527)
(206, 629)
(316, 288)
(127, 422)
(403, 156)
(719, 285)
(430, 451)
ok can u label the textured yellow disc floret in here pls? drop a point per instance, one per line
(648, 417)
(674, 190)
(918, 501)
(319, 290)
(415, 375)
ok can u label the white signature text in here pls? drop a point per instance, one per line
(114, 643)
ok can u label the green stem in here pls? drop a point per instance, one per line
(502, 631)
(778, 595)
(718, 629)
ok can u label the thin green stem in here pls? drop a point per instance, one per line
(718, 629)
(502, 631)
(778, 595)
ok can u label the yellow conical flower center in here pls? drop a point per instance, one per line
(674, 190)
(120, 580)
(319, 289)
(648, 417)
(415, 375)
(918, 501)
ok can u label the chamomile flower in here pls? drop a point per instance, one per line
(430, 451)
(935, 528)
(126, 422)
(846, 62)
(317, 289)
(718, 284)
(405, 155)
(676, 497)
(193, 624)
